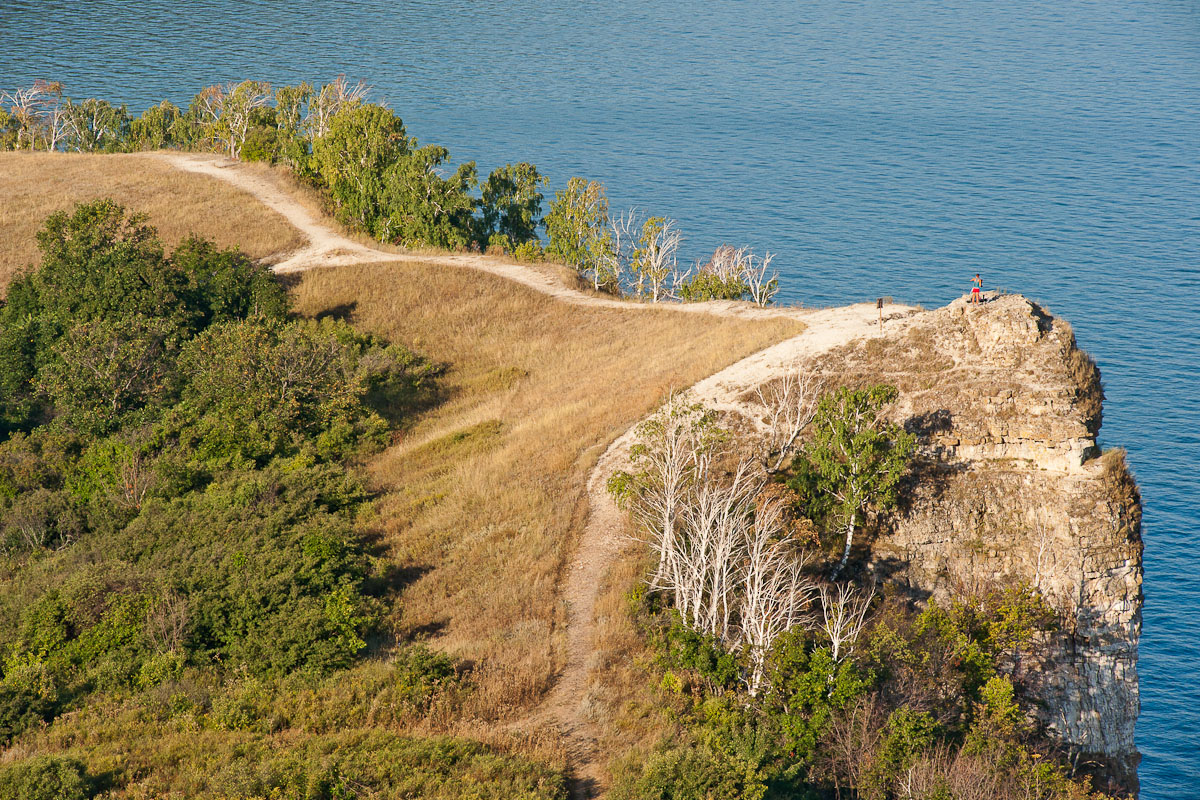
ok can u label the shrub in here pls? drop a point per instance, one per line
(687, 772)
(421, 673)
(45, 778)
(705, 285)
(682, 647)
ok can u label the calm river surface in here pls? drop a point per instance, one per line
(880, 148)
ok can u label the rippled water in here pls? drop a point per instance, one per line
(880, 148)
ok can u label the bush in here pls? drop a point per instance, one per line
(687, 772)
(711, 286)
(421, 674)
(45, 778)
(681, 647)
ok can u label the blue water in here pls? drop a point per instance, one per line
(879, 148)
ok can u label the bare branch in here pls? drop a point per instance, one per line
(844, 614)
(788, 406)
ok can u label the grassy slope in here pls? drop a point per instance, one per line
(481, 500)
(484, 498)
(35, 185)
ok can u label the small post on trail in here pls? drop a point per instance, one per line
(879, 305)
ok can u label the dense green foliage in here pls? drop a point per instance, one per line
(174, 491)
(380, 764)
(577, 226)
(854, 460)
(933, 689)
(45, 778)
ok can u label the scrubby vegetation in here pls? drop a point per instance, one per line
(378, 179)
(778, 681)
(201, 599)
(178, 510)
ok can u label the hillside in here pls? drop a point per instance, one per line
(177, 203)
(510, 652)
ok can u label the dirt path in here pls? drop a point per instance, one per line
(602, 540)
(327, 247)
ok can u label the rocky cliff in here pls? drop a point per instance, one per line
(1011, 487)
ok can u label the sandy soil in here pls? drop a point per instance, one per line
(602, 539)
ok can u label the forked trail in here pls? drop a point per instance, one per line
(602, 539)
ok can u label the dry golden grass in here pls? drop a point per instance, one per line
(36, 185)
(484, 498)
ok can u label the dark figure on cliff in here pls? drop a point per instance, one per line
(975, 290)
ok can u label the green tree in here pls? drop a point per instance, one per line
(855, 459)
(8, 130)
(100, 263)
(291, 103)
(154, 129)
(103, 370)
(353, 157)
(577, 226)
(511, 204)
(45, 778)
(256, 390)
(97, 263)
(223, 285)
(422, 207)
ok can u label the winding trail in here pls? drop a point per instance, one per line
(327, 247)
(602, 539)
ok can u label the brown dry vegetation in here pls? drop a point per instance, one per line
(484, 497)
(481, 498)
(36, 185)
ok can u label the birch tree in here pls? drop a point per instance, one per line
(93, 124)
(787, 408)
(578, 228)
(855, 460)
(655, 260)
(205, 111)
(240, 102)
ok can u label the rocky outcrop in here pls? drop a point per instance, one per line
(1010, 487)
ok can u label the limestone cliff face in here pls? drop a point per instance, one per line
(1010, 487)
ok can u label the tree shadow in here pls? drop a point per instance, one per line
(929, 423)
(343, 312)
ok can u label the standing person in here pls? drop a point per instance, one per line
(975, 289)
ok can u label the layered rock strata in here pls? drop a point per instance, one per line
(1011, 488)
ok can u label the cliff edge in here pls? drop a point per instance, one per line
(1010, 487)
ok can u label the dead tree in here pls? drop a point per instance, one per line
(332, 98)
(775, 593)
(788, 406)
(714, 524)
(762, 287)
(38, 113)
(844, 615)
(673, 455)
